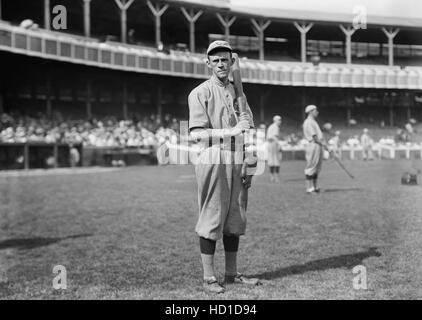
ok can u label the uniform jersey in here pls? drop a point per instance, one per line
(273, 132)
(273, 148)
(311, 129)
(365, 140)
(212, 105)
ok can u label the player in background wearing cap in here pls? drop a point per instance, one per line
(214, 119)
(274, 150)
(314, 149)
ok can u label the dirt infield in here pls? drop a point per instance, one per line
(129, 234)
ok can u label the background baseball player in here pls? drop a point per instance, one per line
(366, 142)
(215, 122)
(314, 149)
(274, 150)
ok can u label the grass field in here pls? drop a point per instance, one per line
(129, 234)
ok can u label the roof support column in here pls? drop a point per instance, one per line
(48, 102)
(349, 106)
(88, 94)
(303, 102)
(303, 29)
(123, 6)
(259, 28)
(226, 22)
(87, 18)
(391, 111)
(158, 101)
(348, 31)
(191, 17)
(1, 102)
(157, 11)
(125, 108)
(47, 16)
(390, 33)
(1, 14)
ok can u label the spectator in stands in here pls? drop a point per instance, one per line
(366, 142)
(353, 142)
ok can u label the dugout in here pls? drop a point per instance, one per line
(36, 155)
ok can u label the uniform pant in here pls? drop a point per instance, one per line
(219, 186)
(313, 154)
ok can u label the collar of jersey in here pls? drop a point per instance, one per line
(218, 82)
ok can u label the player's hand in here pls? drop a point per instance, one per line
(247, 181)
(241, 127)
(244, 117)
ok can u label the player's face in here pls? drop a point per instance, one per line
(315, 113)
(220, 63)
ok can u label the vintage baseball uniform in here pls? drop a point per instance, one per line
(212, 105)
(366, 143)
(313, 151)
(274, 154)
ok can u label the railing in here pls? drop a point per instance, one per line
(86, 51)
(36, 155)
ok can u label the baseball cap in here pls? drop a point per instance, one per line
(310, 108)
(218, 44)
(276, 118)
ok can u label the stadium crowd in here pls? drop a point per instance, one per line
(152, 131)
(106, 132)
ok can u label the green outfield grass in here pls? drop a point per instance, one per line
(129, 234)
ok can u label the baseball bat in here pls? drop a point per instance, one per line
(336, 159)
(241, 101)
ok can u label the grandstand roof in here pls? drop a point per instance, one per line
(221, 4)
(328, 17)
(400, 13)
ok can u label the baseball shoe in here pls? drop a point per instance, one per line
(310, 191)
(211, 285)
(317, 190)
(241, 279)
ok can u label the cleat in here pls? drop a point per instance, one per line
(241, 279)
(212, 286)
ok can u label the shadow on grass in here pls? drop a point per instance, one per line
(342, 261)
(342, 189)
(31, 243)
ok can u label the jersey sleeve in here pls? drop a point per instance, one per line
(198, 117)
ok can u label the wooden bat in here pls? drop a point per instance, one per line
(249, 162)
(336, 159)
(237, 83)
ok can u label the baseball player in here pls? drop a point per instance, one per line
(274, 151)
(314, 149)
(335, 145)
(366, 142)
(214, 121)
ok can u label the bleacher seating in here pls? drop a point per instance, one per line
(114, 55)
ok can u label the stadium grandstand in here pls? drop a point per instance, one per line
(131, 59)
